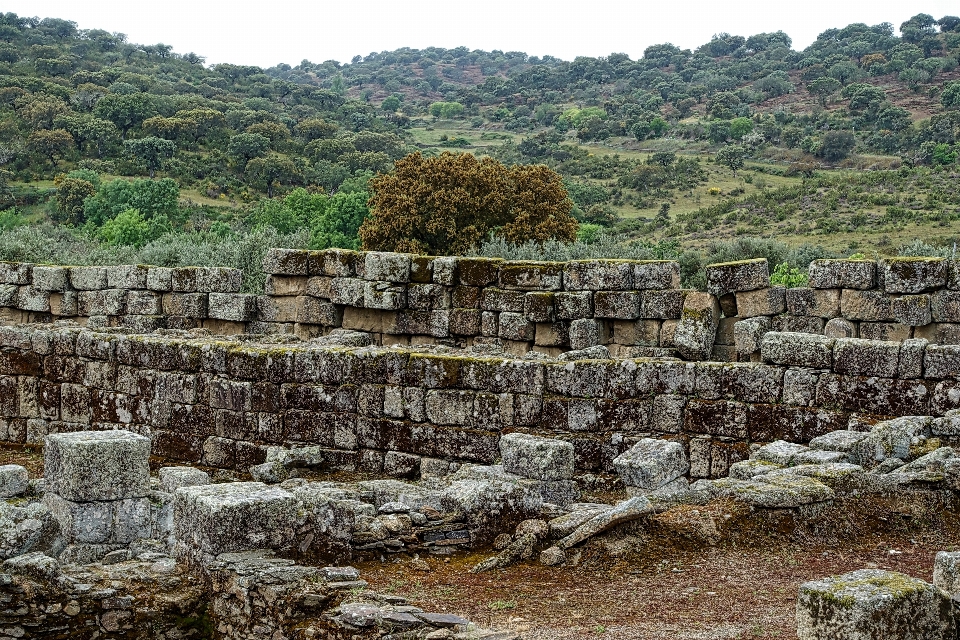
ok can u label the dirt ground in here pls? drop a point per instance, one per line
(707, 594)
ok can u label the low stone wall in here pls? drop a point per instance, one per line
(633, 307)
(223, 401)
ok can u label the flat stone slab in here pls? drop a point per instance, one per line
(842, 440)
(779, 452)
(871, 604)
(88, 466)
(772, 491)
(172, 478)
(236, 516)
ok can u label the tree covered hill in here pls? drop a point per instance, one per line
(81, 109)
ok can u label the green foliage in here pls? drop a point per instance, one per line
(732, 156)
(151, 198)
(446, 110)
(128, 228)
(333, 221)
(11, 219)
(151, 151)
(786, 276)
(950, 97)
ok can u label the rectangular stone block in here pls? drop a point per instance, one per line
(637, 332)
(478, 272)
(464, 322)
(158, 279)
(184, 279)
(914, 274)
(596, 275)
(912, 310)
(843, 274)
(744, 275)
(494, 299)
(64, 304)
(552, 334)
(289, 262)
(747, 334)
(144, 303)
(32, 299)
(187, 305)
(870, 306)
(338, 263)
(619, 305)
(515, 326)
(88, 278)
(425, 297)
(47, 278)
(386, 267)
(806, 301)
(665, 304)
(233, 517)
(128, 276)
(586, 333)
(892, 331)
(945, 306)
(535, 457)
(866, 357)
(426, 323)
(219, 280)
(347, 291)
(942, 361)
(531, 276)
(538, 306)
(871, 603)
(236, 307)
(384, 295)
(285, 285)
(797, 349)
(939, 333)
(15, 272)
(97, 465)
(310, 310)
(656, 274)
(574, 305)
(106, 522)
(761, 302)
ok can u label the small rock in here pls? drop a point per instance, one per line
(502, 541)
(418, 564)
(538, 528)
(393, 507)
(552, 557)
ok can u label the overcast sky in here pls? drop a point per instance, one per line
(268, 33)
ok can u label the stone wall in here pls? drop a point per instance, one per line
(633, 307)
(222, 401)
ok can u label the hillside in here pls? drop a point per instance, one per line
(850, 144)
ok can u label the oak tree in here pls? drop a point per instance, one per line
(447, 204)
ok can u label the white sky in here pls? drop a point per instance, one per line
(266, 33)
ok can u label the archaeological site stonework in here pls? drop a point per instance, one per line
(478, 398)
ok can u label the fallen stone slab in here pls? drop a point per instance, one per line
(890, 439)
(172, 478)
(871, 603)
(839, 476)
(769, 491)
(564, 525)
(746, 469)
(625, 511)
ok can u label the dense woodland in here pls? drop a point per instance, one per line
(115, 148)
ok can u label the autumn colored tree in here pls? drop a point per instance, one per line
(447, 204)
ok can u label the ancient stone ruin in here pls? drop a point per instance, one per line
(474, 400)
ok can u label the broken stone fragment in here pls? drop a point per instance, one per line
(625, 511)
